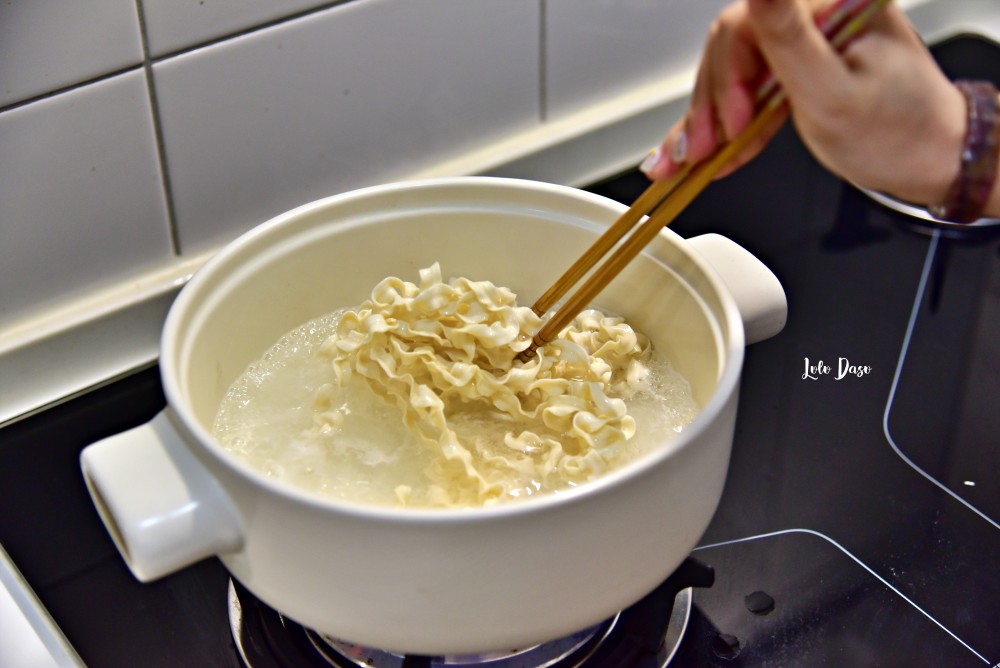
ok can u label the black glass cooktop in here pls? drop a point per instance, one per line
(860, 525)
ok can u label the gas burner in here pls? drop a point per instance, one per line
(571, 650)
(645, 635)
(922, 221)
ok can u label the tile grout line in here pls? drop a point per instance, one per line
(41, 97)
(147, 59)
(249, 30)
(161, 153)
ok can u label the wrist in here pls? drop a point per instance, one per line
(973, 192)
(992, 208)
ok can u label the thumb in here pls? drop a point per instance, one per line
(796, 50)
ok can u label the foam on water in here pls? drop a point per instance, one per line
(366, 453)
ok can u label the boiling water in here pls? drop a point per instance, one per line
(269, 418)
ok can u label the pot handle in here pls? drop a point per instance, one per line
(163, 509)
(757, 291)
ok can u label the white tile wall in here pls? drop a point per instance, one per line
(172, 25)
(351, 96)
(595, 49)
(81, 190)
(48, 44)
(259, 106)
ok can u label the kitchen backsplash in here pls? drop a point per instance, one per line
(133, 132)
(137, 136)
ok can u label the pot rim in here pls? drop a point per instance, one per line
(202, 441)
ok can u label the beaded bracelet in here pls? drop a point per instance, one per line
(970, 191)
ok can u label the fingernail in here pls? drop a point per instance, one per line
(651, 161)
(679, 153)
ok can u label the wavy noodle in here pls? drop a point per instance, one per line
(439, 351)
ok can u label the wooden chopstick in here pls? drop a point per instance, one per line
(830, 21)
(664, 201)
(646, 202)
(678, 199)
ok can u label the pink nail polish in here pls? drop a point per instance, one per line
(680, 150)
(651, 161)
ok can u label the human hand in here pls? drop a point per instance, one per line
(880, 114)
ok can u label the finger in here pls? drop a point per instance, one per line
(700, 137)
(890, 22)
(658, 168)
(795, 49)
(722, 102)
(736, 71)
(756, 146)
(693, 137)
(660, 164)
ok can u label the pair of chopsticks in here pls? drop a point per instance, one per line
(663, 201)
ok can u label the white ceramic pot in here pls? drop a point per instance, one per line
(432, 581)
